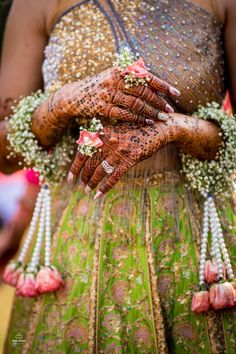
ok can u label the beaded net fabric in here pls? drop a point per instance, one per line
(130, 261)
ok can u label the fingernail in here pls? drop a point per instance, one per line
(81, 186)
(70, 178)
(149, 121)
(88, 190)
(163, 116)
(174, 91)
(99, 194)
(169, 109)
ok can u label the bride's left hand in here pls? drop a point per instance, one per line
(123, 147)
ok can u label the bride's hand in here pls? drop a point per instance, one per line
(105, 95)
(123, 147)
(127, 144)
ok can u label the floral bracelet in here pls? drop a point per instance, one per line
(214, 178)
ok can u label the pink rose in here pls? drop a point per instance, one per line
(222, 296)
(12, 273)
(200, 301)
(26, 285)
(211, 271)
(137, 69)
(89, 139)
(48, 279)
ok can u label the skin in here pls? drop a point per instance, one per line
(23, 55)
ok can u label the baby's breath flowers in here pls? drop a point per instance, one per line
(89, 140)
(133, 71)
(216, 176)
(50, 164)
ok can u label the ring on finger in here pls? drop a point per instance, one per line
(107, 167)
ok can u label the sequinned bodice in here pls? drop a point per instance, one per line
(180, 42)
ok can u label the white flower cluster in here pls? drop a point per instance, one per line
(95, 127)
(216, 176)
(50, 164)
(124, 58)
(131, 80)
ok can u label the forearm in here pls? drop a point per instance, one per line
(194, 136)
(49, 122)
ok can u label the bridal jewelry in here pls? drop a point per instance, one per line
(107, 167)
(89, 140)
(133, 71)
(33, 278)
(211, 179)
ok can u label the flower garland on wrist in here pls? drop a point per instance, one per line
(49, 164)
(217, 287)
(34, 278)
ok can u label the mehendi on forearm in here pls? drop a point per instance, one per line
(195, 136)
(105, 96)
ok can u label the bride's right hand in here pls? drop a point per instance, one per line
(104, 95)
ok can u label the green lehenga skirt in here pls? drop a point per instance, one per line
(130, 263)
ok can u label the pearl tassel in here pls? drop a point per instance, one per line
(47, 228)
(221, 242)
(32, 226)
(37, 248)
(218, 247)
(204, 242)
(42, 217)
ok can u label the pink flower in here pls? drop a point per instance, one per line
(48, 279)
(89, 139)
(137, 69)
(211, 271)
(200, 301)
(12, 273)
(222, 296)
(26, 285)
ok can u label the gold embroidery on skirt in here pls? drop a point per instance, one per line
(160, 337)
(93, 307)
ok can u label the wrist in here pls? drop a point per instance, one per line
(171, 128)
(196, 136)
(49, 122)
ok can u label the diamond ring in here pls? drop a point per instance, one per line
(107, 167)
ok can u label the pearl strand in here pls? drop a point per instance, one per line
(215, 241)
(37, 248)
(221, 241)
(47, 227)
(204, 242)
(32, 226)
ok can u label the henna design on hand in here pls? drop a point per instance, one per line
(127, 144)
(104, 95)
(123, 147)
